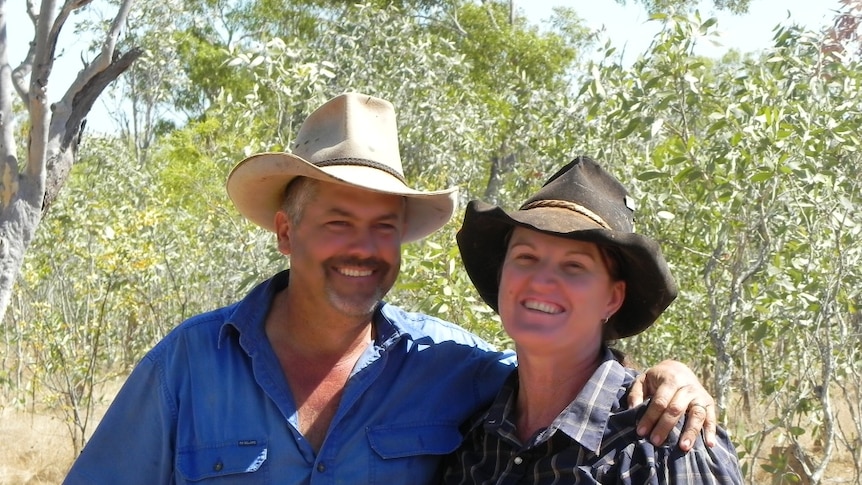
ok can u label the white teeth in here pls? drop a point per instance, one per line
(355, 272)
(542, 307)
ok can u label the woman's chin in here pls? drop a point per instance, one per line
(537, 339)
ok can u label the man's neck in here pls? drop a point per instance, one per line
(317, 353)
(316, 332)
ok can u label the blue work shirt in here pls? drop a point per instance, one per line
(210, 404)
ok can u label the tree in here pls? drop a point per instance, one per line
(745, 168)
(747, 172)
(654, 6)
(34, 172)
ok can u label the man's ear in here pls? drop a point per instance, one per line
(282, 232)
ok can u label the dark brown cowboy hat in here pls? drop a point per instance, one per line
(581, 201)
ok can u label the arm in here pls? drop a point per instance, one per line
(133, 439)
(675, 391)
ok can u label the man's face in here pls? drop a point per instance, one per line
(345, 252)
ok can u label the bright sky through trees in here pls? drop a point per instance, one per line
(627, 26)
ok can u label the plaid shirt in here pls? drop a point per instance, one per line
(592, 441)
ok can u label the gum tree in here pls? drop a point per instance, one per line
(36, 160)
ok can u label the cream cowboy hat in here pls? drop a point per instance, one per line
(351, 140)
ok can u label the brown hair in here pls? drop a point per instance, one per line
(298, 193)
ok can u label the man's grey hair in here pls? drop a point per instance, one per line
(300, 192)
(297, 195)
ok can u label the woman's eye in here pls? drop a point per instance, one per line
(573, 266)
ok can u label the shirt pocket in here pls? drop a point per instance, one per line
(243, 460)
(413, 449)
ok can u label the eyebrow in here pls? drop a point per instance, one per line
(338, 211)
(582, 252)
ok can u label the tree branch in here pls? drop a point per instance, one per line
(38, 101)
(106, 56)
(84, 99)
(22, 73)
(8, 155)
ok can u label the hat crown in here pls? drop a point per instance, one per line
(584, 183)
(352, 129)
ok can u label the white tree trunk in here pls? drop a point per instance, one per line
(28, 189)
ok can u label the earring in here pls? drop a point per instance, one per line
(605, 320)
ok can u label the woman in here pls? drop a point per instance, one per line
(567, 274)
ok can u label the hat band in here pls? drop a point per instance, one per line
(362, 163)
(562, 204)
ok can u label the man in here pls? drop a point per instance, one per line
(311, 378)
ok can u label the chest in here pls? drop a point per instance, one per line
(386, 417)
(317, 388)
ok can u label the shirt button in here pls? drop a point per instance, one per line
(218, 466)
(518, 460)
(321, 467)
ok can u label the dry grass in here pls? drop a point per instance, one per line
(35, 448)
(839, 470)
(35, 444)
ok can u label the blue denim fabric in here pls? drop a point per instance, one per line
(210, 404)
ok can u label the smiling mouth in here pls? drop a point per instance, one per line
(542, 307)
(355, 273)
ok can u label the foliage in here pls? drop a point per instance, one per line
(746, 170)
(127, 255)
(746, 173)
(658, 6)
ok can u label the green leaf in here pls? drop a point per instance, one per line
(650, 175)
(630, 127)
(761, 176)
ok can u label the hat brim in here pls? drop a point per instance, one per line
(256, 186)
(650, 288)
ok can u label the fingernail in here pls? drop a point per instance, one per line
(642, 431)
(655, 440)
(686, 443)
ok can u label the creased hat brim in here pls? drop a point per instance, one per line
(256, 186)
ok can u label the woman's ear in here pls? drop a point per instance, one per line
(618, 296)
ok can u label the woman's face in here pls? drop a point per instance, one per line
(555, 293)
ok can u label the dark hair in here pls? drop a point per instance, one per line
(614, 262)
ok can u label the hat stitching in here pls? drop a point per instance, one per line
(362, 163)
(562, 204)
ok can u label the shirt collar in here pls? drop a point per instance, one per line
(584, 419)
(387, 327)
(249, 314)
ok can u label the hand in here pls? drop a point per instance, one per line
(675, 391)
